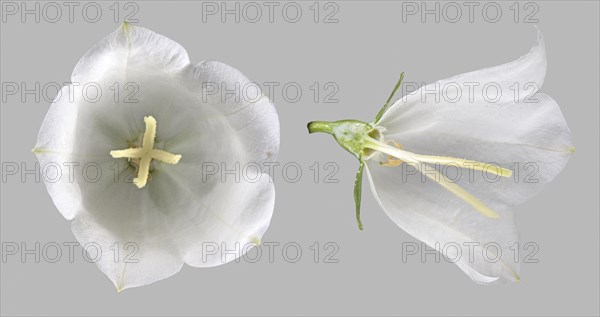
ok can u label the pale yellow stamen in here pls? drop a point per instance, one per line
(479, 166)
(460, 193)
(144, 155)
(398, 155)
(392, 161)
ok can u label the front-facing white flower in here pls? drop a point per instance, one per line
(138, 109)
(441, 160)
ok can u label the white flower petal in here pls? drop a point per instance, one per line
(245, 106)
(255, 123)
(476, 89)
(54, 146)
(229, 227)
(130, 49)
(435, 216)
(180, 209)
(127, 262)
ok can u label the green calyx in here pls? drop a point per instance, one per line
(354, 136)
(349, 134)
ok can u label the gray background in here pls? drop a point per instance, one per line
(363, 53)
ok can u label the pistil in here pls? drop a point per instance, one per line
(146, 153)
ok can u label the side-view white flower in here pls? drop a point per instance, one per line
(138, 109)
(492, 140)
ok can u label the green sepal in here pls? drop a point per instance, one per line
(384, 108)
(358, 192)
